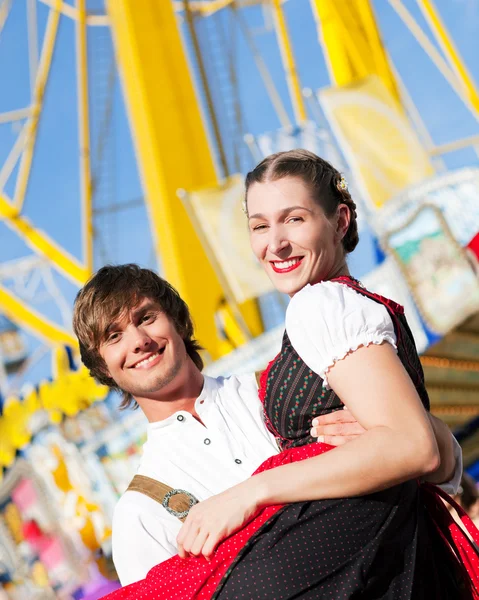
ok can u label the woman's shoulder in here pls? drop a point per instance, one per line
(335, 297)
(327, 320)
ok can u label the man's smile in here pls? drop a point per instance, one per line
(151, 359)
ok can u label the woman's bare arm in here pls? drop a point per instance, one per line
(340, 427)
(398, 445)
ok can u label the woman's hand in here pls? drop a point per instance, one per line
(214, 519)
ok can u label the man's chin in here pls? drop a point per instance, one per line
(151, 386)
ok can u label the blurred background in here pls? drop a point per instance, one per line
(126, 129)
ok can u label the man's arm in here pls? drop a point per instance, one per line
(448, 476)
(339, 427)
(142, 536)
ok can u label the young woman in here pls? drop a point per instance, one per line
(374, 531)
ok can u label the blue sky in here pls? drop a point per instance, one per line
(52, 200)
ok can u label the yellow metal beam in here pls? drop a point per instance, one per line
(33, 321)
(352, 44)
(450, 51)
(4, 12)
(172, 150)
(432, 52)
(289, 63)
(41, 243)
(209, 8)
(15, 115)
(66, 9)
(190, 22)
(40, 84)
(84, 135)
(460, 144)
(375, 48)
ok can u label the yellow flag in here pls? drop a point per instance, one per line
(376, 137)
(223, 229)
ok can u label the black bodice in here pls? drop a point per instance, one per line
(294, 394)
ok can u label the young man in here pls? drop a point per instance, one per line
(204, 434)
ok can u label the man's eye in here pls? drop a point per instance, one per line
(113, 336)
(147, 318)
(295, 220)
(259, 227)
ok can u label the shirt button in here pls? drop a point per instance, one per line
(238, 461)
(180, 418)
(207, 441)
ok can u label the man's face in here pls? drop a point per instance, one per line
(142, 351)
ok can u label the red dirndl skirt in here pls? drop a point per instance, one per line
(197, 578)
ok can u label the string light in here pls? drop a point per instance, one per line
(450, 363)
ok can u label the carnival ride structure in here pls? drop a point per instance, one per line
(179, 64)
(188, 130)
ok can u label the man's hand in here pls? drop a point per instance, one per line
(336, 428)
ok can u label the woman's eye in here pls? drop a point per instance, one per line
(147, 318)
(259, 227)
(113, 336)
(295, 220)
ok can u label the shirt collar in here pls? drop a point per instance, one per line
(207, 395)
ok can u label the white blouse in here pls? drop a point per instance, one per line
(327, 320)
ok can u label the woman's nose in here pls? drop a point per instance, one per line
(277, 242)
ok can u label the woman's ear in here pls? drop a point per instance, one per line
(343, 220)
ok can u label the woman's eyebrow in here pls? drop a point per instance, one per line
(285, 211)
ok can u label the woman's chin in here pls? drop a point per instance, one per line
(290, 287)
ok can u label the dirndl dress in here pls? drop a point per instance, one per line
(400, 543)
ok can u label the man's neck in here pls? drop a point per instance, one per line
(178, 396)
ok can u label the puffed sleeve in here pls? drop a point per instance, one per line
(327, 320)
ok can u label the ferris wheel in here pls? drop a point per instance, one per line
(107, 110)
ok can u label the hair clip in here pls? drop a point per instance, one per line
(343, 184)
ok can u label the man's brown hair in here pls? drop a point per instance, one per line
(110, 294)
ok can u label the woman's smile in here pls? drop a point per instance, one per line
(286, 266)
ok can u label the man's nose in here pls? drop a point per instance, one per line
(140, 340)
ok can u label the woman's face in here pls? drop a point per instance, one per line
(291, 236)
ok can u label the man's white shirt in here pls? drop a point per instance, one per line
(201, 459)
(184, 454)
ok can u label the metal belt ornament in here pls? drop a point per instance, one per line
(179, 514)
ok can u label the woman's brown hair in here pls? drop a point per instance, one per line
(324, 181)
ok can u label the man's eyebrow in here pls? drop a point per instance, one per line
(136, 313)
(285, 211)
(145, 308)
(111, 327)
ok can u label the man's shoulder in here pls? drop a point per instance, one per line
(237, 396)
(242, 385)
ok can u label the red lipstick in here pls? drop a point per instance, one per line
(287, 269)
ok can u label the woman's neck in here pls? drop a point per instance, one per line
(339, 271)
